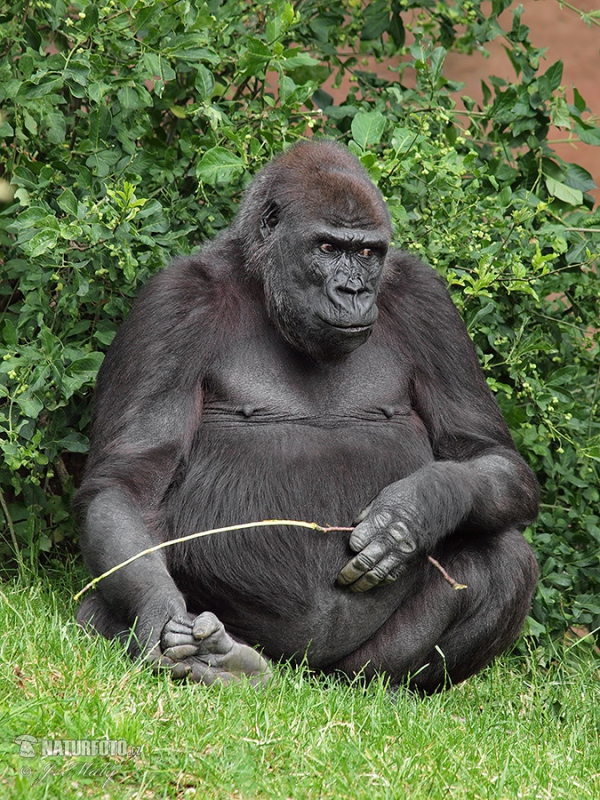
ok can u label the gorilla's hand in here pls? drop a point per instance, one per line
(387, 536)
(200, 649)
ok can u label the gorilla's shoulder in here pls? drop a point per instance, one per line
(406, 274)
(201, 274)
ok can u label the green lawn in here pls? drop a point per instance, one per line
(516, 731)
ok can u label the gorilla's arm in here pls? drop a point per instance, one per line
(141, 415)
(147, 410)
(478, 481)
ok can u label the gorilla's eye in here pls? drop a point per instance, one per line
(327, 247)
(366, 252)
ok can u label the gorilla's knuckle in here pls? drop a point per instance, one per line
(363, 562)
(181, 652)
(359, 542)
(394, 573)
(381, 519)
(377, 574)
(401, 537)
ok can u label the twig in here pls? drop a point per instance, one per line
(262, 524)
(445, 575)
(11, 528)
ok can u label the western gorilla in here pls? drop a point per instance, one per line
(297, 367)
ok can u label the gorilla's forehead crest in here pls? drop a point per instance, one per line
(340, 200)
(331, 184)
(318, 180)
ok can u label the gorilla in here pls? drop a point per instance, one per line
(298, 367)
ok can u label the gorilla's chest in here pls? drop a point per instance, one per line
(279, 436)
(273, 383)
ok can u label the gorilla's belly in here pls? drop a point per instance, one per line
(244, 472)
(324, 470)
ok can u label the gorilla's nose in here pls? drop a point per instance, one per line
(349, 293)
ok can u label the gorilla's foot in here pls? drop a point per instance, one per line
(200, 649)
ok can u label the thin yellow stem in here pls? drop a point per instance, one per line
(264, 523)
(445, 575)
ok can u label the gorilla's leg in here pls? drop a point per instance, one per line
(441, 635)
(198, 648)
(95, 617)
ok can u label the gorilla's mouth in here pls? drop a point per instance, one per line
(350, 328)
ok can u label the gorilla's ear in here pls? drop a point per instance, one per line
(269, 219)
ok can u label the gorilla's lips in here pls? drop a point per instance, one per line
(350, 328)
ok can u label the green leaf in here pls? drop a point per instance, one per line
(579, 178)
(99, 121)
(257, 56)
(90, 21)
(396, 28)
(158, 67)
(367, 128)
(97, 90)
(550, 80)
(42, 241)
(563, 192)
(297, 60)
(588, 134)
(204, 83)
(377, 20)
(403, 140)
(437, 63)
(81, 371)
(554, 75)
(6, 129)
(31, 91)
(102, 163)
(187, 47)
(133, 97)
(74, 443)
(29, 405)
(219, 166)
(322, 99)
(578, 101)
(30, 217)
(560, 113)
(57, 127)
(9, 334)
(77, 73)
(68, 202)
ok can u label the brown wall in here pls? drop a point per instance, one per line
(566, 37)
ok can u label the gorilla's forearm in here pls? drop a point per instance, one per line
(494, 492)
(113, 531)
(504, 492)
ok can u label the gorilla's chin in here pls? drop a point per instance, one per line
(333, 343)
(347, 339)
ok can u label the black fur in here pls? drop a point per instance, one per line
(252, 381)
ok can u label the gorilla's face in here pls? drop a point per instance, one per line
(322, 284)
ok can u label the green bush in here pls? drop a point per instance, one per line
(128, 130)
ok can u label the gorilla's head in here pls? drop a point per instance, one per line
(316, 232)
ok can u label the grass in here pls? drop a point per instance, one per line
(515, 731)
